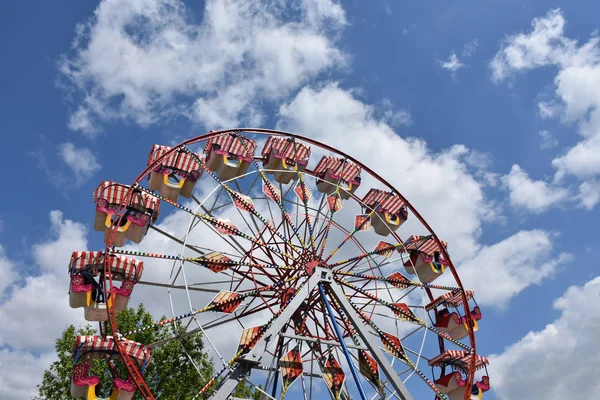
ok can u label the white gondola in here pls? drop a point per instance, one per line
(229, 155)
(333, 172)
(87, 348)
(425, 258)
(390, 211)
(284, 158)
(135, 209)
(176, 175)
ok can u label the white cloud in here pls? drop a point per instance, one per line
(44, 297)
(535, 49)
(582, 160)
(453, 63)
(551, 362)
(38, 310)
(577, 85)
(503, 270)
(589, 194)
(535, 196)
(470, 48)
(81, 121)
(548, 110)
(41, 304)
(7, 271)
(395, 117)
(82, 161)
(548, 140)
(21, 371)
(132, 59)
(332, 115)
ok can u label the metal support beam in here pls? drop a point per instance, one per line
(321, 341)
(257, 351)
(254, 356)
(361, 391)
(231, 381)
(383, 362)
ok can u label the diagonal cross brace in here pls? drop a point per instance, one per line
(357, 324)
(254, 356)
(257, 351)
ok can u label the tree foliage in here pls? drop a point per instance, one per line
(179, 368)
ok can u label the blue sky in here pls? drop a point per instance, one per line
(515, 83)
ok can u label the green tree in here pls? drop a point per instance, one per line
(172, 373)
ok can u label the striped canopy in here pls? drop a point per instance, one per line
(387, 201)
(347, 171)
(451, 299)
(128, 268)
(459, 359)
(238, 145)
(428, 246)
(179, 159)
(287, 148)
(135, 350)
(117, 193)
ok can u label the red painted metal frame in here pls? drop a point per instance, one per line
(131, 367)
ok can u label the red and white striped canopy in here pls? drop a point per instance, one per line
(117, 193)
(387, 201)
(347, 171)
(128, 268)
(427, 246)
(179, 159)
(288, 148)
(239, 145)
(135, 350)
(451, 298)
(460, 359)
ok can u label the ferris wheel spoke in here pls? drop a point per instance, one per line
(270, 187)
(391, 247)
(394, 282)
(356, 229)
(409, 316)
(235, 196)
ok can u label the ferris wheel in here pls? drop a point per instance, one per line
(306, 274)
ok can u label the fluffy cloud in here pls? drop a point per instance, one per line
(38, 309)
(81, 161)
(535, 49)
(19, 370)
(438, 184)
(41, 304)
(566, 349)
(589, 194)
(503, 270)
(132, 59)
(535, 196)
(454, 63)
(548, 141)
(7, 272)
(577, 84)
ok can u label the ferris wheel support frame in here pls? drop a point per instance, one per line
(320, 276)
